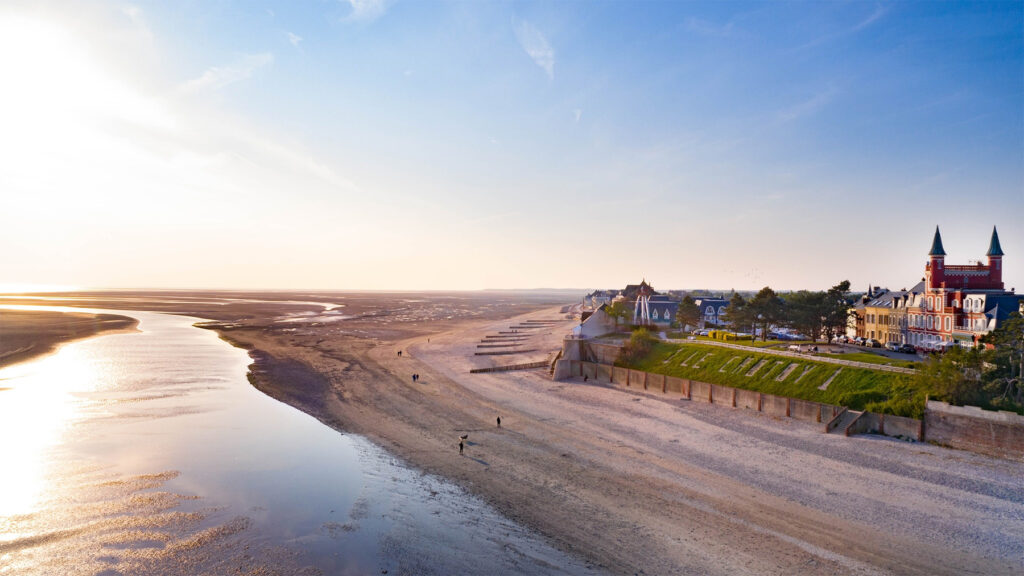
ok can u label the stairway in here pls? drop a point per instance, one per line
(845, 419)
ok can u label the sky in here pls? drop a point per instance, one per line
(410, 145)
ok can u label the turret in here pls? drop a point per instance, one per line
(995, 259)
(936, 260)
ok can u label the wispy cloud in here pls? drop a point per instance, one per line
(877, 14)
(367, 10)
(293, 38)
(217, 77)
(806, 107)
(576, 114)
(536, 46)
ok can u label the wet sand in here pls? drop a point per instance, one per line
(631, 483)
(26, 334)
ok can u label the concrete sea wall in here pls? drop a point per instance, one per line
(702, 391)
(999, 434)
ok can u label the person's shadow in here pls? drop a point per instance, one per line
(477, 460)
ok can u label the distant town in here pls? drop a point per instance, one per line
(951, 305)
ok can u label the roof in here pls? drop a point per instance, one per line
(994, 249)
(713, 300)
(1000, 306)
(634, 290)
(885, 300)
(937, 249)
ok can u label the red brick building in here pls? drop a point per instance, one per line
(957, 304)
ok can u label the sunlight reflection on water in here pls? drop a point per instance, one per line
(142, 452)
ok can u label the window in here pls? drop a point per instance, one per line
(949, 321)
(721, 310)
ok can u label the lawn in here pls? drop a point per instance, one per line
(870, 358)
(856, 388)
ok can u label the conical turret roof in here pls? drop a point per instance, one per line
(994, 249)
(937, 249)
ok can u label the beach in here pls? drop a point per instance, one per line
(628, 483)
(644, 485)
(26, 334)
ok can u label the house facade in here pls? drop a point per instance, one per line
(712, 311)
(958, 304)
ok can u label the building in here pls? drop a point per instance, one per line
(597, 324)
(648, 305)
(598, 297)
(857, 320)
(712, 311)
(958, 304)
(878, 313)
(662, 309)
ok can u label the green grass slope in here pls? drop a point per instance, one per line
(856, 388)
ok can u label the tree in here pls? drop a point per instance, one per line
(688, 314)
(641, 341)
(739, 314)
(954, 376)
(1005, 382)
(618, 311)
(836, 308)
(767, 308)
(806, 313)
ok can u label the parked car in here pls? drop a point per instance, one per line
(858, 341)
(892, 346)
(872, 343)
(907, 349)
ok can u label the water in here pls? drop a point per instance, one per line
(150, 452)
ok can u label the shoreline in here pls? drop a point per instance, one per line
(592, 484)
(29, 334)
(630, 484)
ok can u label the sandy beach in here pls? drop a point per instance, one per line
(26, 334)
(638, 484)
(628, 483)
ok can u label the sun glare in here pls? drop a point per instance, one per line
(36, 411)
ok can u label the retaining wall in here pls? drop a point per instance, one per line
(885, 424)
(704, 392)
(998, 434)
(995, 433)
(526, 366)
(748, 399)
(600, 353)
(804, 410)
(619, 375)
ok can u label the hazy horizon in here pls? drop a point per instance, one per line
(410, 146)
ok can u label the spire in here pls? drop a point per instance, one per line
(937, 249)
(994, 249)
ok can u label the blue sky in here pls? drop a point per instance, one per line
(509, 145)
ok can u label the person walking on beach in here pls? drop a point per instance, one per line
(399, 353)
(499, 421)
(460, 447)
